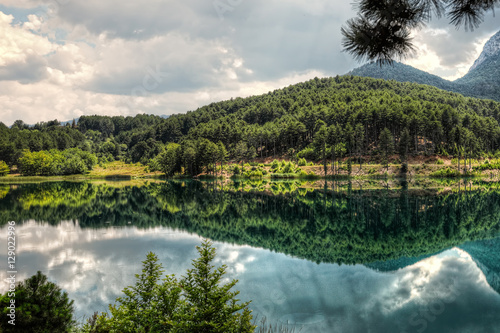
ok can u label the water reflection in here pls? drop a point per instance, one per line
(441, 276)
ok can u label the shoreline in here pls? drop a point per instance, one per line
(119, 171)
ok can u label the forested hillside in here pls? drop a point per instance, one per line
(329, 118)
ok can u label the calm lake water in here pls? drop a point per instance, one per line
(331, 259)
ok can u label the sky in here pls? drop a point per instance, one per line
(60, 59)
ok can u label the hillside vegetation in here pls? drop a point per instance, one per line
(322, 119)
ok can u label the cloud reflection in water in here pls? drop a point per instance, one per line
(443, 293)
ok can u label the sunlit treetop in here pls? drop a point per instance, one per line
(382, 30)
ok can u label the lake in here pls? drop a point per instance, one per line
(333, 257)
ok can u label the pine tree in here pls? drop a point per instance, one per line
(386, 145)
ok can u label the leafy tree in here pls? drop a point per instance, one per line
(381, 31)
(41, 307)
(53, 162)
(199, 302)
(4, 169)
(169, 160)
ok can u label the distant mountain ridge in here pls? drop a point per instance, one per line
(482, 80)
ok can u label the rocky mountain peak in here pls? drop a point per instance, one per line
(491, 48)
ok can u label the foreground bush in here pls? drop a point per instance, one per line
(195, 303)
(41, 307)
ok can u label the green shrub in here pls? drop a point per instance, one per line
(275, 165)
(439, 161)
(4, 169)
(55, 162)
(302, 162)
(303, 174)
(307, 153)
(287, 167)
(445, 173)
(253, 174)
(236, 170)
(487, 165)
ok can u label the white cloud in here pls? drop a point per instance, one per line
(63, 58)
(448, 52)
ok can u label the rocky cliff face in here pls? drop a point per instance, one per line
(491, 49)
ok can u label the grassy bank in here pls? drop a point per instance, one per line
(283, 169)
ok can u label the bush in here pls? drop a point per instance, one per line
(55, 162)
(287, 167)
(236, 170)
(302, 162)
(439, 161)
(275, 165)
(487, 165)
(445, 173)
(4, 169)
(253, 174)
(307, 153)
(198, 302)
(41, 306)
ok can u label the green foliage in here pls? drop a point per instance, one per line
(236, 170)
(275, 165)
(41, 307)
(487, 165)
(439, 161)
(54, 162)
(386, 145)
(445, 173)
(372, 34)
(169, 161)
(307, 153)
(302, 162)
(253, 174)
(198, 302)
(4, 169)
(210, 305)
(287, 167)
